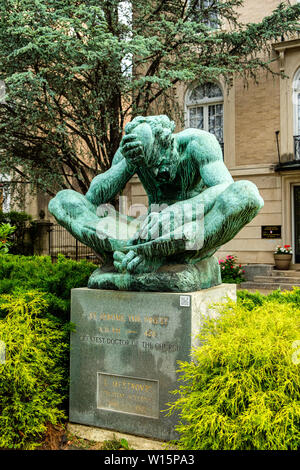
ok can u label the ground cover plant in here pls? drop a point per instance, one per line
(241, 391)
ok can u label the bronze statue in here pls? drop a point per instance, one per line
(195, 207)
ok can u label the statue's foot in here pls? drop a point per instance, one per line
(167, 278)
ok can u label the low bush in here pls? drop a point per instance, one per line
(34, 326)
(22, 273)
(33, 383)
(231, 271)
(241, 391)
(250, 300)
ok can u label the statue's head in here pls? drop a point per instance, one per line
(156, 135)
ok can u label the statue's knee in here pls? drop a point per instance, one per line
(67, 198)
(247, 193)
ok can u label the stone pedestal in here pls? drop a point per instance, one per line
(125, 353)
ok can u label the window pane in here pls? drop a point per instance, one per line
(212, 17)
(197, 94)
(213, 91)
(196, 117)
(206, 91)
(215, 121)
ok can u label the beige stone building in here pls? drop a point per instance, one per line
(259, 128)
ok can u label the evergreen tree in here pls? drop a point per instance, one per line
(76, 71)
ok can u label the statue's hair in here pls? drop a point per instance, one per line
(161, 126)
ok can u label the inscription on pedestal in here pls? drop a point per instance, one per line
(128, 395)
(144, 330)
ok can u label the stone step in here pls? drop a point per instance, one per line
(266, 285)
(278, 280)
(287, 273)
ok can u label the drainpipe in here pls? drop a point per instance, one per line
(277, 141)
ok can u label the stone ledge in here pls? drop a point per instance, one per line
(100, 435)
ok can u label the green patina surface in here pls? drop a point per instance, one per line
(195, 207)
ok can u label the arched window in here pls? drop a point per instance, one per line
(296, 105)
(204, 109)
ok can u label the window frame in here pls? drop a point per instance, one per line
(205, 103)
(211, 23)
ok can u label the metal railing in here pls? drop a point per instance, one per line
(62, 242)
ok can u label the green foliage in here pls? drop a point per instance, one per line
(6, 230)
(250, 300)
(241, 391)
(22, 223)
(231, 271)
(115, 444)
(23, 273)
(70, 84)
(33, 381)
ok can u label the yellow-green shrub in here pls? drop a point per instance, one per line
(242, 388)
(33, 377)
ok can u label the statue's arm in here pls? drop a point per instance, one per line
(208, 154)
(215, 176)
(215, 173)
(106, 186)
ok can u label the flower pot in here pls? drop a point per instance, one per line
(282, 261)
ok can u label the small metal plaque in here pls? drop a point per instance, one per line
(131, 395)
(271, 231)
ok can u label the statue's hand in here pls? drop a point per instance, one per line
(132, 149)
(157, 224)
(126, 262)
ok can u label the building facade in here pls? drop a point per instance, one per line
(258, 126)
